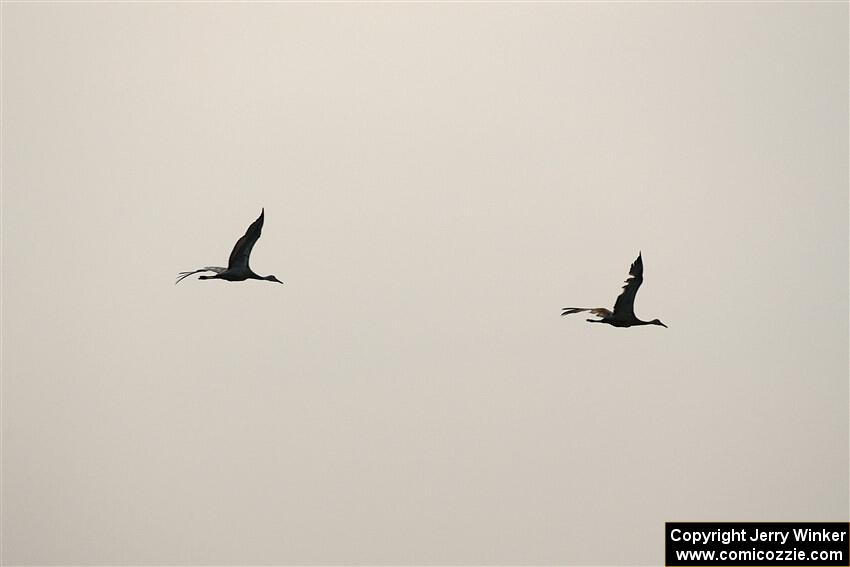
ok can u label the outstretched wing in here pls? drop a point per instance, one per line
(624, 308)
(242, 249)
(182, 275)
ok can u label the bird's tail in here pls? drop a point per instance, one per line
(183, 275)
(571, 310)
(598, 311)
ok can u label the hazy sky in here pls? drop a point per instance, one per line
(439, 180)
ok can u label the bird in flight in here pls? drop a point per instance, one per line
(624, 308)
(237, 266)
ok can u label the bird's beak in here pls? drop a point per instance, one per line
(663, 325)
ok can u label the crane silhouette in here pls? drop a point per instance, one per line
(624, 308)
(237, 268)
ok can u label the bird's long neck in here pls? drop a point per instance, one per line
(265, 278)
(653, 322)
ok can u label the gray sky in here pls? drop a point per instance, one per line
(439, 180)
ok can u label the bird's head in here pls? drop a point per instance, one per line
(272, 279)
(657, 322)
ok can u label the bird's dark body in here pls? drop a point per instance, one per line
(623, 314)
(232, 277)
(237, 269)
(616, 323)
